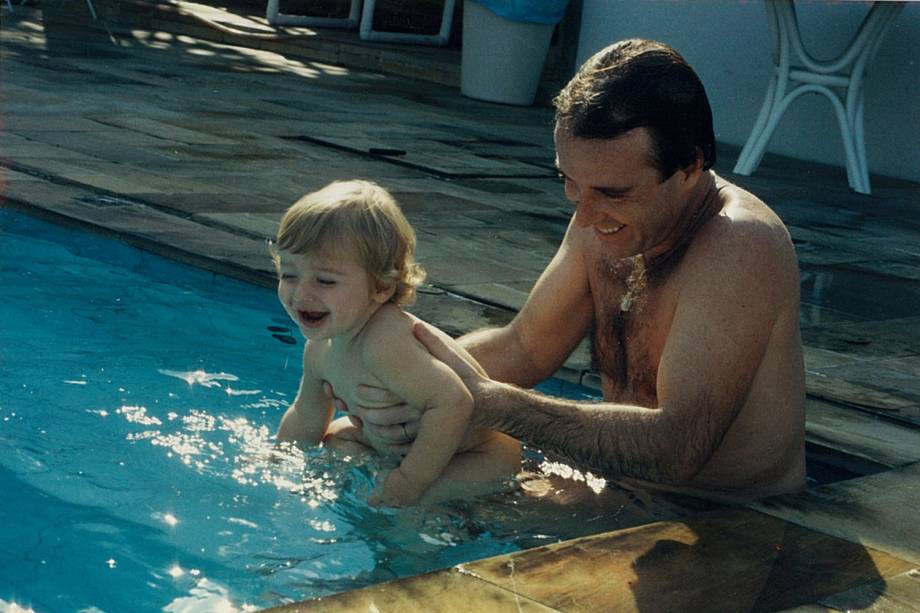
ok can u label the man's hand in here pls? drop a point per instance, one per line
(383, 416)
(444, 348)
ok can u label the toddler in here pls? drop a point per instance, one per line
(345, 265)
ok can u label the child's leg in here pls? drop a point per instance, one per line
(483, 469)
(345, 437)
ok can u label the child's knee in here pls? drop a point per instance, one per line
(345, 437)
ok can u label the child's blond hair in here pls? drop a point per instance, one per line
(364, 216)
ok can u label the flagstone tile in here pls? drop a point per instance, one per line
(876, 511)
(441, 592)
(861, 434)
(898, 594)
(741, 560)
(888, 338)
(860, 395)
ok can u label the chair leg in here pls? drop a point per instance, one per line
(440, 39)
(751, 153)
(276, 18)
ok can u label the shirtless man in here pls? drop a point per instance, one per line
(687, 284)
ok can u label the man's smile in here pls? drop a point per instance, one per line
(609, 230)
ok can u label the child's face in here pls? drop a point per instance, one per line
(325, 296)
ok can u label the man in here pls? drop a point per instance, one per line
(687, 284)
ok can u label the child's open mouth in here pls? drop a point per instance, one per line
(312, 319)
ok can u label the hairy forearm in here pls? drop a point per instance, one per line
(608, 438)
(499, 352)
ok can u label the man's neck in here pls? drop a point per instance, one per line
(703, 204)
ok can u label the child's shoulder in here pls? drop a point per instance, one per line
(388, 331)
(389, 323)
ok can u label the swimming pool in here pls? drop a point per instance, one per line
(138, 402)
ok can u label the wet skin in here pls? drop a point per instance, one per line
(689, 288)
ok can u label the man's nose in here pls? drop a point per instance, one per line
(583, 212)
(586, 212)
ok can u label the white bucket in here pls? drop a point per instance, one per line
(502, 59)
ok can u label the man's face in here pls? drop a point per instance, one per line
(619, 194)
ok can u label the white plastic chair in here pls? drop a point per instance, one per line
(363, 19)
(277, 18)
(845, 73)
(89, 3)
(440, 39)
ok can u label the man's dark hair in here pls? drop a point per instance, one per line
(641, 83)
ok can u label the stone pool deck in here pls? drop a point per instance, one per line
(186, 131)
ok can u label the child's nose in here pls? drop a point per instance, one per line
(302, 293)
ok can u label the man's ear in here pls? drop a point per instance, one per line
(691, 172)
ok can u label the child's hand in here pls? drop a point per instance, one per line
(397, 491)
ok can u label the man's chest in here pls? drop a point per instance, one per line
(633, 315)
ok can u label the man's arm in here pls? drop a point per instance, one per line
(557, 315)
(307, 419)
(722, 324)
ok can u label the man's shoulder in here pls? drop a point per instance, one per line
(745, 224)
(745, 239)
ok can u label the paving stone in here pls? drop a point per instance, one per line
(743, 562)
(893, 595)
(876, 511)
(440, 592)
(861, 434)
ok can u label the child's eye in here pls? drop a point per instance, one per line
(287, 276)
(326, 282)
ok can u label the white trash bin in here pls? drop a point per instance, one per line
(502, 59)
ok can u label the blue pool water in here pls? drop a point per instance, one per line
(138, 401)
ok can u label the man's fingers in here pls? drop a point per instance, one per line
(370, 393)
(437, 343)
(389, 416)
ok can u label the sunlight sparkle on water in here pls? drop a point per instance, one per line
(597, 484)
(12, 607)
(200, 377)
(169, 519)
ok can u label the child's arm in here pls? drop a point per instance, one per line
(307, 419)
(404, 367)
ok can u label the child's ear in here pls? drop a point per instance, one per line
(384, 291)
